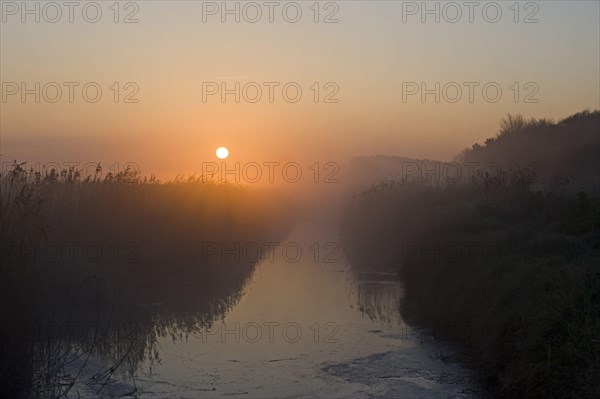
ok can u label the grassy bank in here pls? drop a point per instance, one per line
(508, 265)
(105, 266)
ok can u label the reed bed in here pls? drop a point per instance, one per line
(59, 307)
(508, 267)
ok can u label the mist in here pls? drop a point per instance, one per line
(299, 199)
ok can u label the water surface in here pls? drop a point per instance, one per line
(304, 325)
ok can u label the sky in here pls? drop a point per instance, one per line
(316, 81)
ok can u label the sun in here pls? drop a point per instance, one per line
(222, 152)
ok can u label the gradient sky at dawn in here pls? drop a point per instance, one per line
(368, 55)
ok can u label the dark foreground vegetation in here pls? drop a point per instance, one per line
(102, 267)
(505, 261)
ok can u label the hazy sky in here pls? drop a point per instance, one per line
(371, 61)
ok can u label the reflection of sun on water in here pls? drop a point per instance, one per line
(222, 152)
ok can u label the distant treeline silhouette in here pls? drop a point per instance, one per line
(557, 152)
(569, 148)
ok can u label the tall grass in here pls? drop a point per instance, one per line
(152, 278)
(507, 267)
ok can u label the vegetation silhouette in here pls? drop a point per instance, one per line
(59, 308)
(506, 263)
